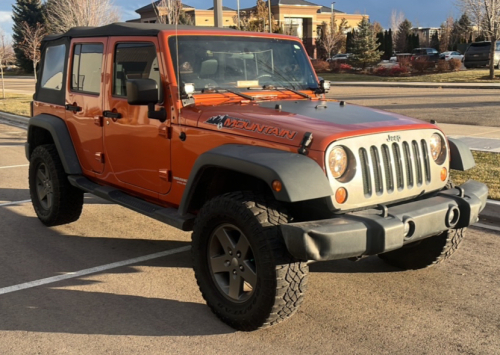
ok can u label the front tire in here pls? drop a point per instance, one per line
(242, 266)
(54, 199)
(426, 253)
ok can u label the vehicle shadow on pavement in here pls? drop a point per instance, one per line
(53, 310)
(368, 265)
(98, 303)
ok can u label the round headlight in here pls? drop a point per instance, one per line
(437, 146)
(338, 162)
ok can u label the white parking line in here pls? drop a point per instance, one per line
(72, 275)
(493, 202)
(13, 166)
(14, 203)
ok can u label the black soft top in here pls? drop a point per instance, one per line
(126, 29)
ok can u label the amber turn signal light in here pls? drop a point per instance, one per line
(444, 174)
(277, 186)
(341, 195)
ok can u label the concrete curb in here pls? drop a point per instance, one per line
(492, 212)
(21, 120)
(416, 85)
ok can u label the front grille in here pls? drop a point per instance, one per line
(403, 165)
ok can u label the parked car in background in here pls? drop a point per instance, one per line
(451, 55)
(340, 57)
(478, 55)
(429, 54)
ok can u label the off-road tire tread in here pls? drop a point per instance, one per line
(427, 253)
(291, 275)
(68, 200)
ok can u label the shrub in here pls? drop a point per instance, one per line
(397, 71)
(421, 64)
(381, 71)
(443, 66)
(455, 64)
(404, 62)
(320, 66)
(345, 67)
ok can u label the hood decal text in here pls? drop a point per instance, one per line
(224, 121)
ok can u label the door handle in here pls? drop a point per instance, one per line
(74, 107)
(111, 114)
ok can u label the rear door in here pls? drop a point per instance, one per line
(137, 147)
(84, 101)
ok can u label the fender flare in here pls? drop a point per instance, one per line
(301, 177)
(460, 155)
(62, 140)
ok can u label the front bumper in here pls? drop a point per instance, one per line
(370, 232)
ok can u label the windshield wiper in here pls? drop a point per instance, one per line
(281, 88)
(218, 90)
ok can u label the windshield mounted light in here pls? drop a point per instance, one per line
(189, 89)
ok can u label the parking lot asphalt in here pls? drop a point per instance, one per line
(51, 302)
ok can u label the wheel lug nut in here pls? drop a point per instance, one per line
(230, 252)
(241, 267)
(234, 272)
(238, 254)
(227, 263)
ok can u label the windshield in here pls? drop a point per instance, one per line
(241, 63)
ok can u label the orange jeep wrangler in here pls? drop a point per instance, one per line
(228, 134)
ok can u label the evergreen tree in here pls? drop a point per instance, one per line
(349, 41)
(389, 45)
(381, 42)
(402, 38)
(435, 41)
(31, 12)
(364, 46)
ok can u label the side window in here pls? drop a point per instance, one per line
(134, 61)
(53, 67)
(86, 72)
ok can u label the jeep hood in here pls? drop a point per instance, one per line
(286, 121)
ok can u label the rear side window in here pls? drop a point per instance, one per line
(87, 65)
(134, 61)
(53, 66)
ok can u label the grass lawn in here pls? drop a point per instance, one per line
(468, 76)
(17, 104)
(487, 170)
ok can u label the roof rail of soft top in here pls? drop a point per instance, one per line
(127, 29)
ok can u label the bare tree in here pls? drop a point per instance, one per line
(446, 31)
(332, 36)
(168, 11)
(33, 36)
(396, 19)
(65, 14)
(6, 55)
(486, 15)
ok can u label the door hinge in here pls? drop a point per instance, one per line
(99, 156)
(165, 174)
(165, 131)
(98, 121)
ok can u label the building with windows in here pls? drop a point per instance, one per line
(299, 18)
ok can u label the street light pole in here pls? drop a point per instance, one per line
(218, 13)
(270, 23)
(238, 7)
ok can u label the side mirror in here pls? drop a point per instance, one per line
(142, 91)
(324, 86)
(145, 92)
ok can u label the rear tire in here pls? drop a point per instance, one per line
(426, 253)
(241, 264)
(54, 199)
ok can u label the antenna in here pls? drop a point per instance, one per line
(178, 79)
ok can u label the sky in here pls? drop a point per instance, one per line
(422, 13)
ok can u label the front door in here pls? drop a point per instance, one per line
(137, 147)
(84, 101)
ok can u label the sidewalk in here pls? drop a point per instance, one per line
(388, 84)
